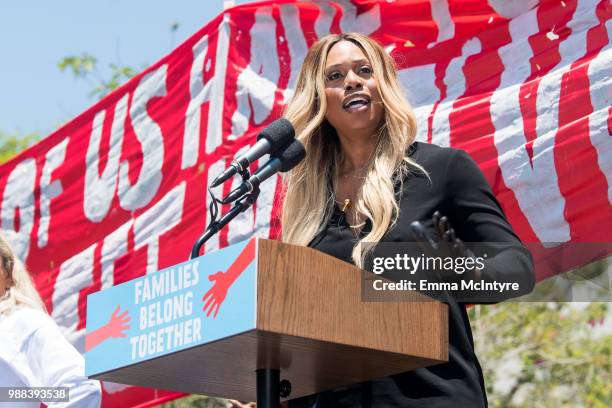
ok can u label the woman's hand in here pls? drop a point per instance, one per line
(238, 404)
(445, 243)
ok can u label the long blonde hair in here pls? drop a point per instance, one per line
(308, 201)
(21, 290)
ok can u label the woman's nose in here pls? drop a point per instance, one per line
(352, 80)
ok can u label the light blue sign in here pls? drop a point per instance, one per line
(186, 305)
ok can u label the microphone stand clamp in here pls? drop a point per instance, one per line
(240, 206)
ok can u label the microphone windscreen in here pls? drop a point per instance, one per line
(291, 155)
(279, 133)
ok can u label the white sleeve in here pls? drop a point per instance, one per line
(54, 362)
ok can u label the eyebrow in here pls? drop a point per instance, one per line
(358, 61)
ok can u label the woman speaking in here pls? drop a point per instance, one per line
(366, 180)
(33, 351)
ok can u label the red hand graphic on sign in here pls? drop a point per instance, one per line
(116, 326)
(215, 296)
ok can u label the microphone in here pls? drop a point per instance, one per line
(274, 137)
(286, 159)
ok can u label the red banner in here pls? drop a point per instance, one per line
(120, 191)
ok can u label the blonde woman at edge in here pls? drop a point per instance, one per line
(33, 351)
(366, 179)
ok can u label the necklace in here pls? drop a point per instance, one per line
(346, 204)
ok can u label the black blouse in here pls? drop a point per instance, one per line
(458, 189)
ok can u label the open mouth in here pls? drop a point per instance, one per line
(356, 103)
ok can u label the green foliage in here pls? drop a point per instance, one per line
(85, 66)
(12, 143)
(546, 354)
(80, 65)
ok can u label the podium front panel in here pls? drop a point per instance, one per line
(171, 310)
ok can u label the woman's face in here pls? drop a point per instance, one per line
(353, 100)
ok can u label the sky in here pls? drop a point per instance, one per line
(35, 96)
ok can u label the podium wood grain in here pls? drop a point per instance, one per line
(313, 326)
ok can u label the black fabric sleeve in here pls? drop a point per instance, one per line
(477, 217)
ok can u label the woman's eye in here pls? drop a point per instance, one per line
(365, 70)
(333, 76)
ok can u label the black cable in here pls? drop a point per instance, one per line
(214, 226)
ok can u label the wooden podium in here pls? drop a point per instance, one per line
(307, 320)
